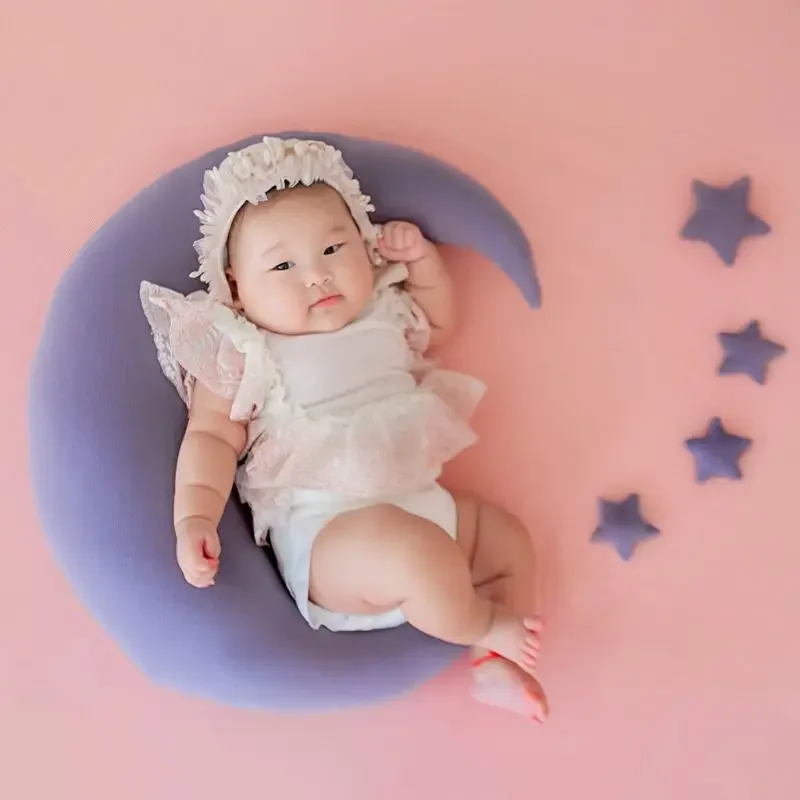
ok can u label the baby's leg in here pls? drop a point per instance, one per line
(375, 559)
(500, 553)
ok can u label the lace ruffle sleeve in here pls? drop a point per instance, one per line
(199, 339)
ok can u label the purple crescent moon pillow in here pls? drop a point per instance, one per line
(105, 427)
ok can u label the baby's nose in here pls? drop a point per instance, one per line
(316, 274)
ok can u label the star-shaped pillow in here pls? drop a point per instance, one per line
(722, 218)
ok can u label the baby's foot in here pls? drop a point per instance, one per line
(515, 638)
(502, 684)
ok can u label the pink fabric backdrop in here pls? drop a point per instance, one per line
(672, 676)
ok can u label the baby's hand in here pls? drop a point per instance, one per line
(402, 241)
(198, 550)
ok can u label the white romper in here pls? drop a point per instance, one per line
(335, 421)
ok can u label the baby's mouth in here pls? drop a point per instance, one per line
(328, 300)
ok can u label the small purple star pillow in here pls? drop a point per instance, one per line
(747, 352)
(622, 525)
(722, 218)
(717, 454)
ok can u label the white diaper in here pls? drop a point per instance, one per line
(311, 512)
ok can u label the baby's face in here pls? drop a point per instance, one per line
(298, 263)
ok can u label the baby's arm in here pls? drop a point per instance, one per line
(204, 478)
(429, 281)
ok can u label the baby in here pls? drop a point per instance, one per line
(304, 373)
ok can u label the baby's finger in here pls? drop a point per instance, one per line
(197, 567)
(200, 583)
(211, 547)
(397, 234)
(387, 241)
(190, 548)
(391, 252)
(199, 579)
(204, 566)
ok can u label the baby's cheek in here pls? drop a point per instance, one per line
(362, 283)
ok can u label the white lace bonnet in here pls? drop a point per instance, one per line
(247, 176)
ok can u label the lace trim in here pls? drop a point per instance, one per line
(197, 338)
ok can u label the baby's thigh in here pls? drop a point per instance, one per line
(362, 560)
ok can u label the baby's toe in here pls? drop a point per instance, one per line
(533, 624)
(532, 644)
(527, 665)
(539, 709)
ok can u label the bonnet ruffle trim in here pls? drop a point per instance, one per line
(248, 175)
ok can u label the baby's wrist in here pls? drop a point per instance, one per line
(427, 250)
(185, 525)
(425, 272)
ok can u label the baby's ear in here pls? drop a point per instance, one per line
(237, 304)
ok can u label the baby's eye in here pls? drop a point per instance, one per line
(284, 265)
(333, 248)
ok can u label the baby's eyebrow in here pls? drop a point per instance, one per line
(278, 245)
(271, 248)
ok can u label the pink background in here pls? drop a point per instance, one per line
(673, 676)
